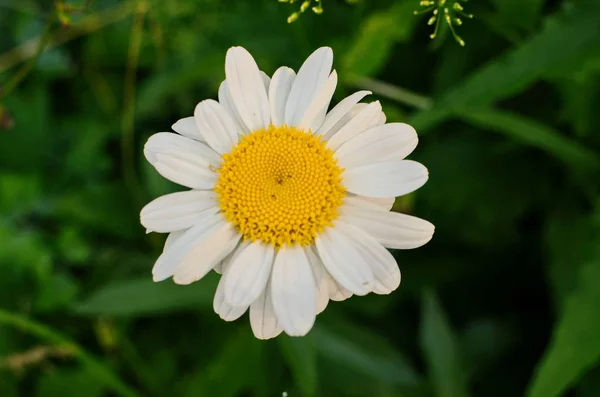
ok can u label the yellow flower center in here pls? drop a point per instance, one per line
(280, 185)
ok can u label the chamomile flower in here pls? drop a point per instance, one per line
(289, 202)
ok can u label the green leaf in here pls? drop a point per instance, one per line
(590, 385)
(520, 13)
(236, 368)
(575, 31)
(104, 207)
(376, 37)
(532, 133)
(441, 350)
(25, 146)
(365, 353)
(570, 239)
(575, 345)
(143, 296)
(301, 357)
(96, 368)
(56, 293)
(69, 383)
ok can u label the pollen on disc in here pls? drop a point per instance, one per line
(281, 186)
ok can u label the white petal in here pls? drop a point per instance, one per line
(187, 127)
(372, 121)
(386, 202)
(293, 291)
(339, 111)
(266, 80)
(223, 308)
(382, 263)
(337, 292)
(216, 125)
(321, 279)
(182, 160)
(337, 248)
(279, 90)
(262, 316)
(248, 273)
(315, 114)
(208, 250)
(171, 238)
(178, 211)
(386, 178)
(391, 229)
(225, 100)
(247, 88)
(170, 259)
(311, 77)
(368, 117)
(382, 118)
(392, 141)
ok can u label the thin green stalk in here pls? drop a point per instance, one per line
(25, 69)
(127, 122)
(94, 366)
(88, 24)
(393, 92)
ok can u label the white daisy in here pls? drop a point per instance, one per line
(289, 202)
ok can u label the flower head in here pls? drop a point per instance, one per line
(289, 202)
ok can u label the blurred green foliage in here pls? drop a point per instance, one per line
(503, 302)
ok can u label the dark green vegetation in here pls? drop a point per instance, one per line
(504, 302)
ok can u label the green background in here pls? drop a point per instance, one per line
(504, 301)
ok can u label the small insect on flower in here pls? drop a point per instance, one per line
(290, 203)
(448, 10)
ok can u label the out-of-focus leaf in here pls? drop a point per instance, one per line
(237, 367)
(441, 350)
(64, 382)
(375, 38)
(301, 357)
(533, 133)
(590, 385)
(579, 109)
(476, 188)
(8, 384)
(106, 208)
(56, 293)
(570, 241)
(24, 261)
(73, 246)
(94, 367)
(520, 13)
(484, 342)
(365, 353)
(575, 344)
(575, 31)
(19, 193)
(24, 147)
(143, 297)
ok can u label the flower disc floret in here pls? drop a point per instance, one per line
(280, 185)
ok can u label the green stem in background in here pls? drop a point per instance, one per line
(392, 92)
(25, 69)
(127, 122)
(86, 25)
(94, 366)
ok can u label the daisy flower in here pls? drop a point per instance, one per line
(288, 202)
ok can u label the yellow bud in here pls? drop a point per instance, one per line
(305, 5)
(317, 10)
(293, 17)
